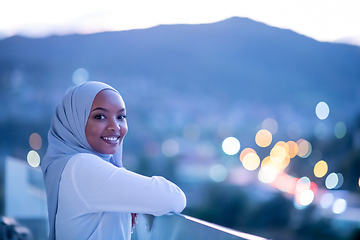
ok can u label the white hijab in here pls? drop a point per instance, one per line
(67, 137)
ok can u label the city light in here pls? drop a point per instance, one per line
(327, 200)
(80, 75)
(33, 158)
(293, 149)
(271, 125)
(263, 138)
(320, 169)
(340, 181)
(273, 166)
(306, 197)
(246, 151)
(339, 206)
(251, 161)
(304, 148)
(267, 174)
(278, 154)
(322, 110)
(340, 130)
(218, 173)
(170, 148)
(331, 181)
(231, 146)
(303, 184)
(35, 141)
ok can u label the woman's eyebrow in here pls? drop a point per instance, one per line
(100, 108)
(106, 110)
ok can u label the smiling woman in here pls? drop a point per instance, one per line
(90, 194)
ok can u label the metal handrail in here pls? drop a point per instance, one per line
(176, 226)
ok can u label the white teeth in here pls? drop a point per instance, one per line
(110, 138)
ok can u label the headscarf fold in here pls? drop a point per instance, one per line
(67, 137)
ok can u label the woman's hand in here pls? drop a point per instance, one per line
(133, 220)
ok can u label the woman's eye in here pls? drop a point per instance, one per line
(99, 117)
(122, 117)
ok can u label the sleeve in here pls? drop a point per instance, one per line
(104, 187)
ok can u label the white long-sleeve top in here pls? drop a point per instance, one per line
(96, 199)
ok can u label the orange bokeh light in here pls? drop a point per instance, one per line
(246, 151)
(263, 138)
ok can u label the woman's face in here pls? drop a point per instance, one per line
(106, 125)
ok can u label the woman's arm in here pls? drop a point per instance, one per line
(106, 188)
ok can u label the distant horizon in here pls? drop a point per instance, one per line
(347, 41)
(322, 20)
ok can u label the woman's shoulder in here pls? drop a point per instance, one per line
(91, 160)
(85, 156)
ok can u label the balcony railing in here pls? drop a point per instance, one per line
(182, 227)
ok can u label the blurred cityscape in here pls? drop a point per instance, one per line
(259, 126)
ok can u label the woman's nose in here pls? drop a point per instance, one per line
(113, 125)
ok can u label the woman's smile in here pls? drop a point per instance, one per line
(111, 139)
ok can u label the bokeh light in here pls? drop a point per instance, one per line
(313, 187)
(251, 161)
(271, 125)
(340, 181)
(331, 181)
(279, 166)
(283, 145)
(231, 146)
(80, 75)
(35, 141)
(320, 169)
(218, 173)
(340, 130)
(285, 163)
(327, 200)
(244, 152)
(33, 158)
(278, 154)
(191, 132)
(306, 197)
(339, 206)
(263, 138)
(291, 187)
(170, 148)
(281, 181)
(293, 148)
(303, 184)
(304, 148)
(322, 110)
(267, 161)
(267, 174)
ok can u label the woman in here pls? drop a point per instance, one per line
(89, 194)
